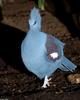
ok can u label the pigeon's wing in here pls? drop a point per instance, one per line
(54, 47)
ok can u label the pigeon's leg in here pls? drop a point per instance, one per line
(46, 82)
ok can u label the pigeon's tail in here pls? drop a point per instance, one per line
(67, 65)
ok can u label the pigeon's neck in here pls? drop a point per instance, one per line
(34, 32)
(35, 29)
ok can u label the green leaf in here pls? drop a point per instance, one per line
(41, 4)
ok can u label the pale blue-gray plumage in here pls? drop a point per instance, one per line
(37, 47)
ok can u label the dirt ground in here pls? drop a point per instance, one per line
(16, 83)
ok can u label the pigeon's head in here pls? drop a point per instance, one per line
(35, 19)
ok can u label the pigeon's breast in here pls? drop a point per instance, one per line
(33, 47)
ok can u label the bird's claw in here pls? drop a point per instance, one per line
(46, 82)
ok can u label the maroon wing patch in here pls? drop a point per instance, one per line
(51, 46)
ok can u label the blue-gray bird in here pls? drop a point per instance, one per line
(42, 54)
